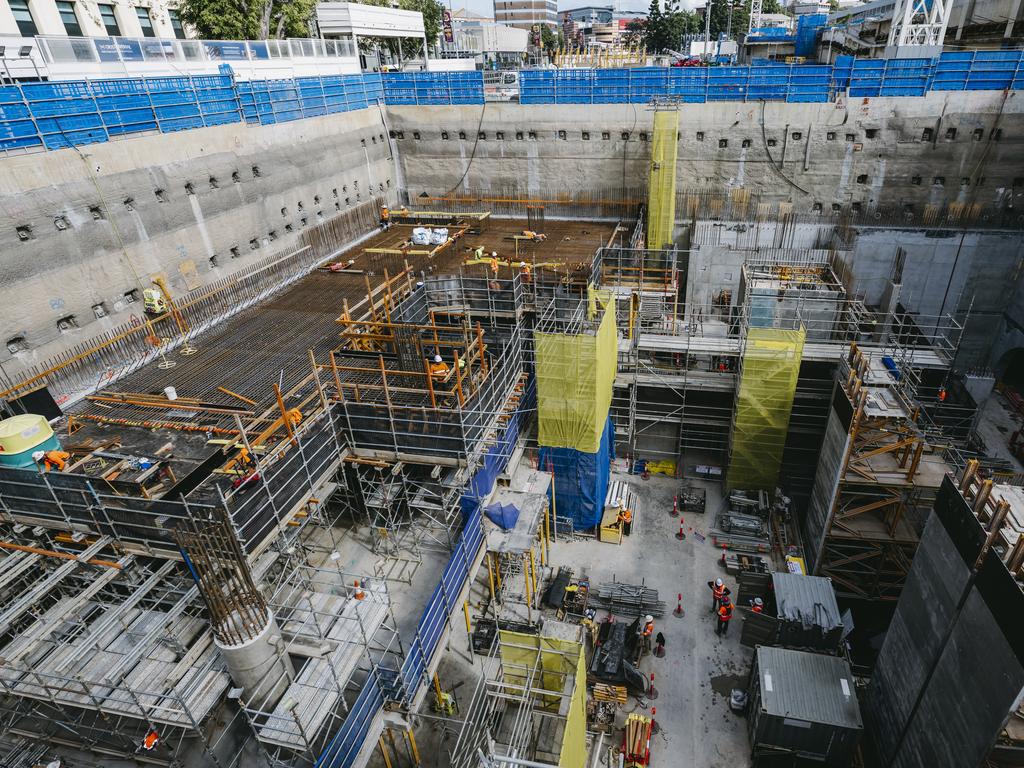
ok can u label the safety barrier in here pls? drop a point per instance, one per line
(76, 112)
(428, 88)
(60, 114)
(770, 81)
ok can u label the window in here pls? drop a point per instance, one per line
(68, 18)
(146, 22)
(179, 31)
(109, 20)
(23, 17)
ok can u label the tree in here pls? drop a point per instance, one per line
(664, 29)
(636, 32)
(740, 11)
(248, 19)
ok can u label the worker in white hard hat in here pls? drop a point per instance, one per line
(524, 271)
(757, 605)
(494, 263)
(646, 632)
(438, 368)
(718, 592)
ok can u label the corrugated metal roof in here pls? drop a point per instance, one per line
(807, 686)
(810, 600)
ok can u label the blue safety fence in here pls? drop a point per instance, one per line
(771, 81)
(428, 88)
(76, 112)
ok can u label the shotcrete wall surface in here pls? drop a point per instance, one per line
(84, 226)
(871, 151)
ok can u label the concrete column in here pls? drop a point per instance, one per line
(88, 14)
(8, 26)
(46, 17)
(127, 20)
(258, 667)
(161, 20)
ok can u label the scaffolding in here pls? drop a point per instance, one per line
(769, 369)
(529, 703)
(876, 480)
(576, 354)
(661, 194)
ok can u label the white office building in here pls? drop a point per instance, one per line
(89, 18)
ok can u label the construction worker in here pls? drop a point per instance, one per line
(385, 218)
(626, 520)
(757, 605)
(438, 368)
(51, 460)
(718, 592)
(494, 263)
(478, 253)
(942, 394)
(724, 615)
(524, 271)
(646, 631)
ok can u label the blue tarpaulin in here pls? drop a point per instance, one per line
(581, 479)
(503, 515)
(494, 462)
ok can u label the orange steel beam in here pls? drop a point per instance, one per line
(60, 555)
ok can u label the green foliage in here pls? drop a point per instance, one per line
(664, 29)
(720, 11)
(248, 19)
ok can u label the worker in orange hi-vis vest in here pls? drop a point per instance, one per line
(646, 632)
(718, 591)
(724, 615)
(757, 605)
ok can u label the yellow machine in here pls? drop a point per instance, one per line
(153, 301)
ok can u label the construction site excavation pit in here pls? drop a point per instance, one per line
(655, 432)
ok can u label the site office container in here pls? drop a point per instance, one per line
(802, 705)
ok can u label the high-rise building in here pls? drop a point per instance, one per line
(526, 13)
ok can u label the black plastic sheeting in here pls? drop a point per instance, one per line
(807, 611)
(611, 663)
(952, 665)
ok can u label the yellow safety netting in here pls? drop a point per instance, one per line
(661, 186)
(575, 374)
(771, 367)
(549, 664)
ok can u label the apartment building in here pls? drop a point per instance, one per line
(524, 14)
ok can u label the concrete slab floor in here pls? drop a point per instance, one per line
(699, 669)
(996, 425)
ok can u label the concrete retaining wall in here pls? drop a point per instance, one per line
(105, 218)
(865, 151)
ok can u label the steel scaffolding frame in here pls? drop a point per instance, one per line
(869, 512)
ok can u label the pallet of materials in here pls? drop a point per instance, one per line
(692, 500)
(627, 599)
(636, 741)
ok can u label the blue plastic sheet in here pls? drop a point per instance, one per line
(502, 515)
(581, 479)
(494, 462)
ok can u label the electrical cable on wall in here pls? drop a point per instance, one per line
(472, 154)
(771, 160)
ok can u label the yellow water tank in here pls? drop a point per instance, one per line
(21, 436)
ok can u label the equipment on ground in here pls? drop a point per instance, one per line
(153, 301)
